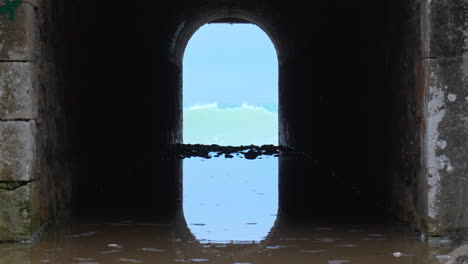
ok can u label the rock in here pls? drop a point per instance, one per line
(459, 255)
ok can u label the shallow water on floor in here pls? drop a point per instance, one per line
(230, 199)
(229, 216)
(140, 241)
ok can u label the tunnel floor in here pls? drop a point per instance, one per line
(132, 240)
(229, 226)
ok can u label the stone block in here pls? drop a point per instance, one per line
(17, 150)
(446, 145)
(17, 90)
(18, 211)
(445, 28)
(18, 33)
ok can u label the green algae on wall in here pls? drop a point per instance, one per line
(10, 7)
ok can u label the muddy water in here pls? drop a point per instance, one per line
(142, 241)
(222, 226)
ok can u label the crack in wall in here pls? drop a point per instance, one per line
(12, 185)
(17, 119)
(17, 61)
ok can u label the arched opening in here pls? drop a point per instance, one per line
(230, 86)
(230, 98)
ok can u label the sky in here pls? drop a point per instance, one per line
(230, 97)
(230, 86)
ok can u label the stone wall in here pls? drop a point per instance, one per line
(404, 169)
(426, 73)
(444, 68)
(34, 163)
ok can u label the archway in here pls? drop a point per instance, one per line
(230, 95)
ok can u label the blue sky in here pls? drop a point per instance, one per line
(230, 82)
(230, 64)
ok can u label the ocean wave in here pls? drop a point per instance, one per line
(234, 125)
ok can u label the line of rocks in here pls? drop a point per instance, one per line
(251, 152)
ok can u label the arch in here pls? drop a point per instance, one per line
(264, 229)
(189, 23)
(187, 28)
(238, 85)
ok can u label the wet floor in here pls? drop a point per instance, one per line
(229, 216)
(139, 241)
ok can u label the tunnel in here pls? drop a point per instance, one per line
(336, 106)
(359, 102)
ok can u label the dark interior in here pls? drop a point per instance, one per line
(342, 102)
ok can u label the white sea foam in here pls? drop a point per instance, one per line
(235, 125)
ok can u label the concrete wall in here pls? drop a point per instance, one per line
(34, 159)
(404, 168)
(444, 68)
(426, 74)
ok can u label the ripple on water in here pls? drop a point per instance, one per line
(293, 238)
(281, 246)
(152, 249)
(338, 261)
(129, 260)
(400, 254)
(313, 251)
(327, 239)
(376, 235)
(110, 251)
(115, 245)
(198, 260)
(87, 234)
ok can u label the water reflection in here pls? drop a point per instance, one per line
(230, 200)
(116, 240)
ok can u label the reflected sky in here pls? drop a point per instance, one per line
(230, 199)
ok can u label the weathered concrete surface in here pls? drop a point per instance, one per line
(18, 91)
(446, 157)
(19, 217)
(19, 37)
(17, 150)
(445, 38)
(443, 28)
(429, 128)
(403, 177)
